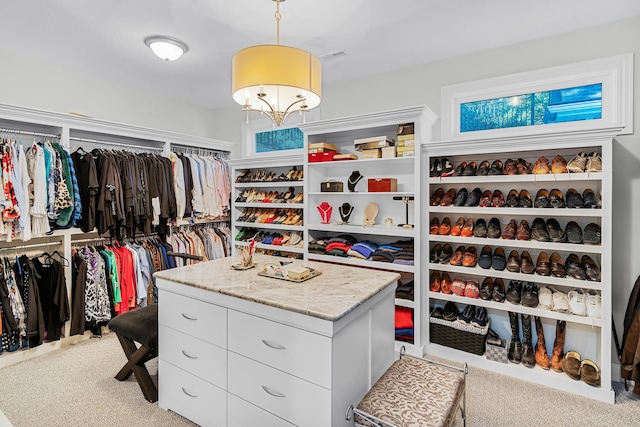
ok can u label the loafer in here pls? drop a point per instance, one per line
(434, 285)
(498, 261)
(467, 229)
(486, 289)
(543, 264)
(498, 292)
(445, 283)
(526, 264)
(437, 313)
(574, 232)
(447, 167)
(556, 200)
(467, 314)
(541, 166)
(530, 295)
(578, 163)
(556, 234)
(484, 260)
(590, 199)
(592, 234)
(493, 229)
(457, 227)
(509, 232)
(459, 169)
(480, 228)
(497, 199)
(523, 232)
(513, 199)
(514, 292)
(436, 197)
(591, 269)
(483, 168)
(594, 163)
(458, 286)
(525, 199)
(445, 254)
(471, 290)
(510, 167)
(447, 198)
(574, 267)
(445, 227)
(470, 169)
(485, 199)
(456, 258)
(473, 198)
(481, 318)
(435, 253)
(496, 168)
(513, 262)
(573, 199)
(524, 167)
(434, 227)
(539, 230)
(461, 197)
(542, 199)
(559, 165)
(450, 311)
(557, 265)
(470, 258)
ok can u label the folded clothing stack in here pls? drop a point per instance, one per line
(404, 324)
(340, 245)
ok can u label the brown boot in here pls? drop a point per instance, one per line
(558, 346)
(542, 358)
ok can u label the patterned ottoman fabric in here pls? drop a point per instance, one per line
(414, 393)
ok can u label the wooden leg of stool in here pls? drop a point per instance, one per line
(135, 364)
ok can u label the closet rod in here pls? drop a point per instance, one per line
(25, 132)
(35, 245)
(117, 144)
(187, 149)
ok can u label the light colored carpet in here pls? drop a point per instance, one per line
(74, 386)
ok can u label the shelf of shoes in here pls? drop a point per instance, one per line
(549, 206)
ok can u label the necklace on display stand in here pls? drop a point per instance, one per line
(345, 212)
(325, 210)
(354, 178)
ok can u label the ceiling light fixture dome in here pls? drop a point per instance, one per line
(276, 80)
(165, 47)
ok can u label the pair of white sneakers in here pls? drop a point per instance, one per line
(576, 302)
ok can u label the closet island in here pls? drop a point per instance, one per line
(236, 348)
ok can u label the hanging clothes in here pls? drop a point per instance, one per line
(53, 296)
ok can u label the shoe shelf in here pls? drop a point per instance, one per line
(518, 244)
(269, 226)
(282, 248)
(270, 205)
(530, 178)
(517, 308)
(516, 212)
(365, 193)
(269, 184)
(355, 229)
(389, 266)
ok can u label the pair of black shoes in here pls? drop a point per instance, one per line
(475, 316)
(441, 254)
(497, 260)
(449, 313)
(464, 198)
(522, 293)
(441, 167)
(492, 290)
(547, 231)
(592, 234)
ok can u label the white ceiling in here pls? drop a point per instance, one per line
(105, 37)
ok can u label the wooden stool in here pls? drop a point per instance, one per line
(414, 392)
(140, 325)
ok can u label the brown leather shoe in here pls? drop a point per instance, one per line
(542, 357)
(509, 232)
(511, 167)
(591, 268)
(467, 230)
(447, 198)
(485, 199)
(526, 264)
(558, 346)
(435, 226)
(559, 165)
(436, 197)
(445, 283)
(497, 199)
(524, 167)
(445, 227)
(456, 258)
(541, 166)
(457, 227)
(557, 265)
(496, 168)
(483, 168)
(513, 263)
(525, 199)
(524, 232)
(470, 258)
(494, 230)
(571, 364)
(543, 265)
(435, 282)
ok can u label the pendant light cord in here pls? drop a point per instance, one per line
(278, 16)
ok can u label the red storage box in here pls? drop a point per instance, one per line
(321, 157)
(382, 185)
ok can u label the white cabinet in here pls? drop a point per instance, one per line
(590, 336)
(395, 208)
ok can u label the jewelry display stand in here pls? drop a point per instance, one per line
(345, 212)
(354, 178)
(370, 214)
(406, 200)
(325, 210)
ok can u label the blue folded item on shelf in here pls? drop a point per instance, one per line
(365, 248)
(405, 332)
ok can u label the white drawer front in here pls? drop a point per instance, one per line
(198, 357)
(242, 413)
(196, 318)
(296, 400)
(301, 353)
(190, 396)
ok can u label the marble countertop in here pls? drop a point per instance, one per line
(331, 295)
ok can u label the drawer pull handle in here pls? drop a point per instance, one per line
(272, 392)
(190, 356)
(189, 317)
(188, 394)
(273, 345)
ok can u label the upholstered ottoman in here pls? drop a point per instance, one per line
(414, 392)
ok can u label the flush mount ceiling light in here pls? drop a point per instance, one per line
(276, 80)
(167, 48)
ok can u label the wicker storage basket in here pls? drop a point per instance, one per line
(458, 335)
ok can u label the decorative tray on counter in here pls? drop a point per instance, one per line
(313, 273)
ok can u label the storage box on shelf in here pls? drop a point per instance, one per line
(374, 199)
(267, 205)
(503, 238)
